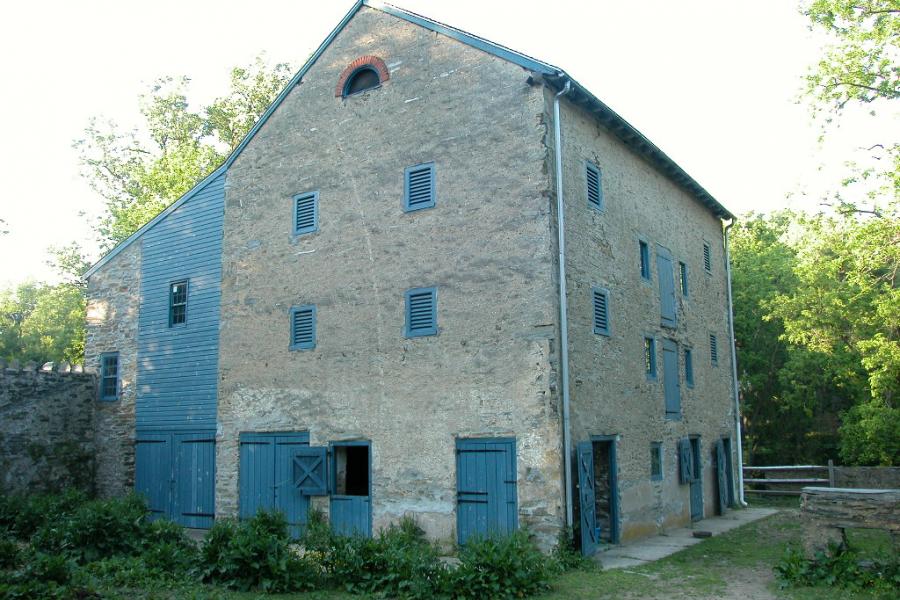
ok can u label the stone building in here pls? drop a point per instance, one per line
(360, 309)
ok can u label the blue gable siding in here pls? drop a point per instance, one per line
(177, 366)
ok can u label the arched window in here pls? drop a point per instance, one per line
(364, 73)
(364, 79)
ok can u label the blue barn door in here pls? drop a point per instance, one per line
(195, 479)
(350, 508)
(485, 488)
(667, 310)
(257, 474)
(721, 476)
(590, 537)
(696, 480)
(671, 383)
(292, 472)
(153, 477)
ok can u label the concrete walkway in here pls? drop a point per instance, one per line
(640, 552)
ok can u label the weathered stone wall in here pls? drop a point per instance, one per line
(610, 394)
(112, 325)
(46, 433)
(486, 246)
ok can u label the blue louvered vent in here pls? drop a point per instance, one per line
(707, 258)
(303, 327)
(594, 191)
(421, 312)
(418, 187)
(601, 311)
(306, 213)
(713, 349)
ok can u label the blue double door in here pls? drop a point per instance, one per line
(175, 471)
(486, 488)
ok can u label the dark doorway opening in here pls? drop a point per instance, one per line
(351, 470)
(606, 496)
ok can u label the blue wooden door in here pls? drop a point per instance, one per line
(666, 287)
(350, 508)
(257, 474)
(485, 488)
(671, 383)
(153, 478)
(289, 498)
(721, 476)
(195, 479)
(587, 505)
(696, 480)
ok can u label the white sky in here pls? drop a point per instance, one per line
(711, 82)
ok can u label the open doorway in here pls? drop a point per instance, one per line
(606, 497)
(350, 506)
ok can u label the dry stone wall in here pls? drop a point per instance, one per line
(46, 429)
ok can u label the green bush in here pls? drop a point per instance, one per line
(839, 566)
(500, 568)
(96, 530)
(567, 557)
(255, 554)
(166, 548)
(24, 515)
(9, 553)
(398, 563)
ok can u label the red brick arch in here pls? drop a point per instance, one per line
(363, 61)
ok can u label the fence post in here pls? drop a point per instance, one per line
(830, 473)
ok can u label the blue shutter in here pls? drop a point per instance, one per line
(601, 311)
(685, 461)
(303, 327)
(594, 188)
(671, 384)
(666, 287)
(713, 349)
(590, 534)
(299, 472)
(707, 257)
(306, 213)
(721, 476)
(153, 476)
(309, 470)
(418, 187)
(421, 312)
(257, 474)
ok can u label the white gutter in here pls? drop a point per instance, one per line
(734, 375)
(563, 312)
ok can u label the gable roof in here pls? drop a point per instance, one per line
(552, 75)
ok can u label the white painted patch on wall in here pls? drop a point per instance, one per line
(410, 100)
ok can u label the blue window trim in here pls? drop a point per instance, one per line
(432, 192)
(187, 293)
(103, 357)
(656, 448)
(683, 278)
(605, 293)
(644, 259)
(651, 359)
(345, 92)
(422, 331)
(315, 226)
(306, 345)
(714, 349)
(689, 367)
(589, 168)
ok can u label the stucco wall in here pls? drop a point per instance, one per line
(112, 324)
(486, 246)
(610, 394)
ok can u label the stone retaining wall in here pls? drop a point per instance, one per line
(46, 429)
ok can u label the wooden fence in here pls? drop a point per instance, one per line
(787, 480)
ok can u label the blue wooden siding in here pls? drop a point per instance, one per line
(177, 366)
(486, 487)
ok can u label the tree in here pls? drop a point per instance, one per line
(139, 173)
(41, 323)
(859, 69)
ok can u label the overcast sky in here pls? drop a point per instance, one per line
(712, 82)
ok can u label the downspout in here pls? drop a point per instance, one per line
(734, 375)
(563, 312)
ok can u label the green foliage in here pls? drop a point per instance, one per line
(41, 323)
(22, 516)
(9, 553)
(838, 567)
(508, 567)
(139, 173)
(568, 558)
(97, 529)
(255, 554)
